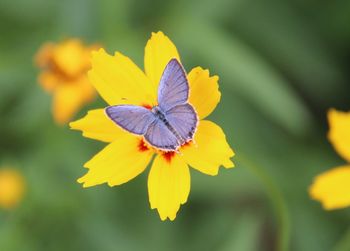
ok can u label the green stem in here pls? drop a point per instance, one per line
(278, 202)
(344, 243)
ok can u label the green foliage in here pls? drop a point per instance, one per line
(281, 65)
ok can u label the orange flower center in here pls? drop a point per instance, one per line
(142, 146)
(168, 156)
(147, 106)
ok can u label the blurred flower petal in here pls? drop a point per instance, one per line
(332, 188)
(49, 81)
(64, 68)
(44, 56)
(69, 98)
(12, 187)
(339, 132)
(72, 57)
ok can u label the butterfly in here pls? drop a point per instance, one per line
(168, 125)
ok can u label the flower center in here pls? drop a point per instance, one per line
(168, 156)
(142, 146)
(147, 106)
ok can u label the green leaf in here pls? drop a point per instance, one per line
(247, 74)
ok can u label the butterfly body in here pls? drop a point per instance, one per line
(168, 125)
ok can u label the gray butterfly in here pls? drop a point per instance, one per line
(168, 125)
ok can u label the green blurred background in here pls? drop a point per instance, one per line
(281, 64)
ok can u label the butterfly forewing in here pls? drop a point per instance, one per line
(135, 119)
(173, 86)
(183, 119)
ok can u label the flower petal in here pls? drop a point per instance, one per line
(12, 187)
(44, 55)
(69, 97)
(339, 132)
(332, 188)
(119, 81)
(168, 185)
(49, 81)
(210, 149)
(204, 91)
(71, 57)
(96, 125)
(119, 162)
(159, 51)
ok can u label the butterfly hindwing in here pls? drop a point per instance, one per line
(173, 87)
(135, 119)
(183, 118)
(159, 136)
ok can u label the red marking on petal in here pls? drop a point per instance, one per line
(168, 156)
(142, 146)
(149, 107)
(189, 143)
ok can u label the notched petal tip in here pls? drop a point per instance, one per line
(95, 53)
(339, 133)
(74, 125)
(172, 218)
(204, 91)
(207, 158)
(157, 33)
(331, 188)
(168, 186)
(159, 51)
(165, 217)
(229, 164)
(82, 181)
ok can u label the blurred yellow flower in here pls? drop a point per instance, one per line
(332, 188)
(64, 67)
(119, 81)
(11, 187)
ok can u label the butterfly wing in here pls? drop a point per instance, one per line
(173, 86)
(135, 119)
(172, 99)
(184, 119)
(159, 135)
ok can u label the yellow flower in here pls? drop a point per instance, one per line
(11, 188)
(119, 81)
(332, 187)
(64, 67)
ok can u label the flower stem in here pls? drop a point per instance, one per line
(278, 202)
